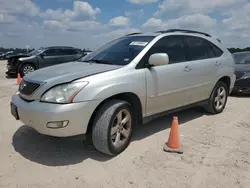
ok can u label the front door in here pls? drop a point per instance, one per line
(167, 85)
(49, 57)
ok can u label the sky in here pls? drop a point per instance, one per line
(92, 23)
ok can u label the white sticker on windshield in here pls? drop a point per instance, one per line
(138, 43)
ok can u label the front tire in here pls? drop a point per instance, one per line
(26, 69)
(112, 129)
(218, 98)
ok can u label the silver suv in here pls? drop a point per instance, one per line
(124, 83)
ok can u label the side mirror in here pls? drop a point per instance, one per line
(158, 59)
(42, 55)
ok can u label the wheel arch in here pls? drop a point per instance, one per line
(226, 80)
(25, 63)
(129, 97)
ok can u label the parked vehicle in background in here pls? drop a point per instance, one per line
(242, 72)
(1, 55)
(126, 82)
(7, 54)
(40, 58)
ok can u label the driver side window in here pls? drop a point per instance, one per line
(50, 52)
(172, 45)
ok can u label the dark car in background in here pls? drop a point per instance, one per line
(1, 55)
(40, 58)
(4, 56)
(242, 72)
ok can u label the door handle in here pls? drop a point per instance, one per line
(187, 69)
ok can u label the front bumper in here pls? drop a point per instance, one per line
(242, 86)
(11, 69)
(37, 114)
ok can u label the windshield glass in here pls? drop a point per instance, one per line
(119, 51)
(35, 52)
(239, 57)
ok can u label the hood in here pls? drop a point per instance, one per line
(67, 72)
(25, 58)
(18, 55)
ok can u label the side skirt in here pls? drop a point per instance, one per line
(155, 116)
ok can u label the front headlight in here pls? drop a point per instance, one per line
(64, 93)
(246, 75)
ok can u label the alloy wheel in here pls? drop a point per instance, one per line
(220, 98)
(28, 69)
(121, 128)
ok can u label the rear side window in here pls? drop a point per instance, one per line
(217, 51)
(199, 48)
(68, 51)
(172, 45)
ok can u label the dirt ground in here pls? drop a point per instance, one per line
(216, 152)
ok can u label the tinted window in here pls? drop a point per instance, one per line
(35, 52)
(241, 58)
(172, 45)
(67, 52)
(199, 48)
(120, 51)
(50, 52)
(217, 51)
(247, 60)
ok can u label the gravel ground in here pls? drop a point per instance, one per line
(216, 152)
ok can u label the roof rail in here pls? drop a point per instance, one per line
(183, 30)
(132, 34)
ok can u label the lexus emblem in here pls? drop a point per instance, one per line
(23, 85)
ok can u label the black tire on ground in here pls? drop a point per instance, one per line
(211, 106)
(103, 123)
(21, 69)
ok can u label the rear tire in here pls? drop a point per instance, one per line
(218, 98)
(112, 128)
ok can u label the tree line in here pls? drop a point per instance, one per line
(233, 50)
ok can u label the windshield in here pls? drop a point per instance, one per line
(35, 52)
(239, 57)
(119, 51)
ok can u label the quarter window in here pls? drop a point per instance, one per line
(217, 51)
(199, 48)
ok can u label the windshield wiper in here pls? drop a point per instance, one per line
(99, 61)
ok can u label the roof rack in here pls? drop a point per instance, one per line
(183, 30)
(132, 34)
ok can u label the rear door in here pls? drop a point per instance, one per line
(204, 64)
(66, 55)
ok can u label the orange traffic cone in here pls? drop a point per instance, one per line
(19, 79)
(173, 145)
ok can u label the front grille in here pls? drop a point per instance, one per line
(239, 74)
(27, 88)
